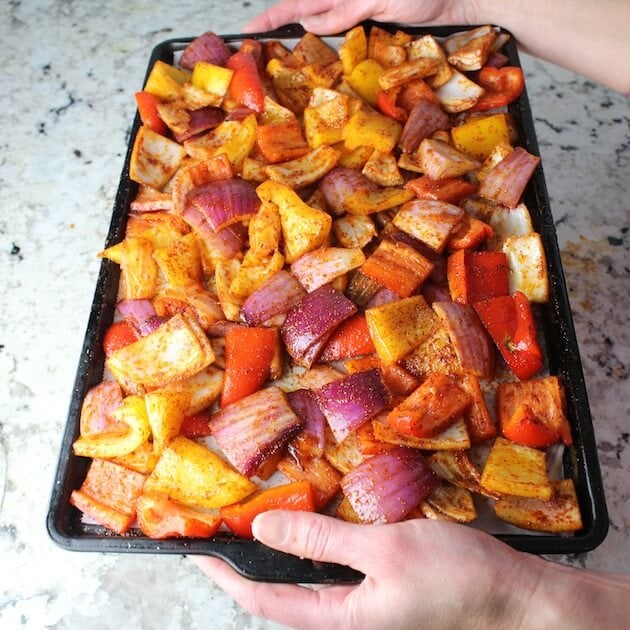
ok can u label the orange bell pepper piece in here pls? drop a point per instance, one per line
(502, 86)
(246, 87)
(147, 109)
(159, 517)
(109, 494)
(431, 409)
(386, 103)
(296, 496)
(281, 142)
(449, 189)
(469, 234)
(249, 354)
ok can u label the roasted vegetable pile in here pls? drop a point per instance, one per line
(328, 295)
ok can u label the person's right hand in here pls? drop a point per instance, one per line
(333, 16)
(419, 573)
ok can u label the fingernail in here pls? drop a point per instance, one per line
(270, 528)
(310, 23)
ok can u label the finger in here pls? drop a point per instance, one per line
(285, 12)
(318, 537)
(289, 604)
(339, 17)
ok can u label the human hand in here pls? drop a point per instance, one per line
(333, 16)
(419, 572)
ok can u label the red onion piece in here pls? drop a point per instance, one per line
(497, 60)
(240, 113)
(274, 296)
(311, 321)
(207, 47)
(253, 428)
(227, 242)
(97, 407)
(341, 182)
(384, 296)
(141, 315)
(424, 120)
(386, 487)
(506, 182)
(304, 403)
(349, 402)
(224, 202)
(201, 120)
(435, 293)
(473, 346)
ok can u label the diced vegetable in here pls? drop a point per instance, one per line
(516, 470)
(297, 496)
(476, 276)
(510, 322)
(398, 327)
(249, 353)
(109, 494)
(193, 475)
(532, 413)
(559, 514)
(349, 402)
(431, 409)
(254, 427)
(386, 487)
(311, 321)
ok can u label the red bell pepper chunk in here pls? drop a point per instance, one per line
(386, 102)
(159, 517)
(296, 496)
(449, 189)
(249, 353)
(526, 429)
(246, 86)
(477, 276)
(197, 425)
(510, 322)
(351, 339)
(147, 109)
(118, 335)
(502, 85)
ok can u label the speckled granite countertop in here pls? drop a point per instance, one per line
(68, 71)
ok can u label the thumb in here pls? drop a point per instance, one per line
(315, 536)
(339, 17)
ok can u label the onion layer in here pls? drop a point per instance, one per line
(349, 402)
(274, 296)
(386, 487)
(310, 323)
(224, 202)
(472, 344)
(253, 428)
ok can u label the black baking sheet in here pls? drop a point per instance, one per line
(251, 558)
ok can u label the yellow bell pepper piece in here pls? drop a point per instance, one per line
(479, 136)
(373, 130)
(211, 78)
(364, 79)
(165, 81)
